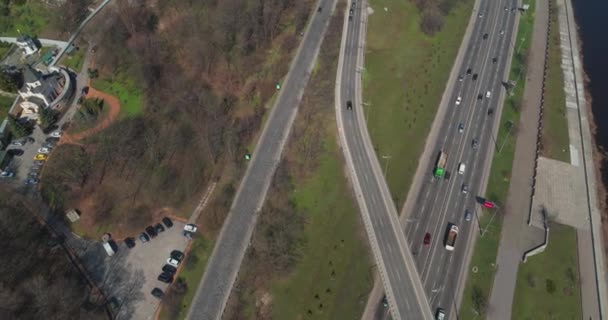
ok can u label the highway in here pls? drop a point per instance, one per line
(225, 261)
(393, 259)
(441, 202)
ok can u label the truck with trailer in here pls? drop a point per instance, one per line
(450, 239)
(439, 170)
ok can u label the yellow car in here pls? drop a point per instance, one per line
(40, 156)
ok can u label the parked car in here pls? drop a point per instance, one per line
(39, 162)
(44, 150)
(156, 292)
(7, 174)
(51, 139)
(165, 277)
(159, 228)
(177, 255)
(168, 223)
(169, 269)
(18, 143)
(33, 174)
(151, 232)
(56, 134)
(40, 156)
(15, 152)
(144, 237)
(130, 242)
(190, 228)
(172, 262)
(48, 145)
(32, 181)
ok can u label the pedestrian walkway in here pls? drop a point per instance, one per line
(516, 236)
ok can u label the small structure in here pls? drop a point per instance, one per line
(27, 45)
(72, 215)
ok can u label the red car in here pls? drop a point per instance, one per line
(488, 204)
(427, 238)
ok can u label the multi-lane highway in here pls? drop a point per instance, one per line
(394, 260)
(441, 202)
(224, 263)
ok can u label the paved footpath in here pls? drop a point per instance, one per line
(516, 236)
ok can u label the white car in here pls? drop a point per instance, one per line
(44, 150)
(488, 94)
(173, 262)
(56, 134)
(7, 174)
(190, 228)
(458, 100)
(461, 128)
(502, 32)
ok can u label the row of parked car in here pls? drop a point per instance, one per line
(168, 271)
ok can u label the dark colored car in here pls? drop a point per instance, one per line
(475, 77)
(157, 293)
(33, 174)
(165, 277)
(460, 77)
(349, 105)
(465, 188)
(177, 255)
(32, 181)
(447, 175)
(494, 60)
(169, 269)
(144, 237)
(469, 71)
(485, 36)
(475, 144)
(85, 90)
(38, 162)
(30, 140)
(479, 96)
(168, 223)
(51, 139)
(151, 232)
(490, 112)
(15, 152)
(130, 242)
(427, 239)
(320, 9)
(159, 228)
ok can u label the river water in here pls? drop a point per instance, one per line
(592, 19)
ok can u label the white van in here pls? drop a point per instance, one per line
(461, 168)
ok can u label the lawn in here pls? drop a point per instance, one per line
(486, 248)
(404, 78)
(556, 142)
(550, 293)
(5, 47)
(5, 106)
(30, 18)
(192, 273)
(331, 243)
(75, 59)
(125, 89)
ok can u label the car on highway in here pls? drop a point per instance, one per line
(458, 100)
(502, 32)
(475, 77)
(319, 9)
(468, 215)
(349, 105)
(173, 262)
(479, 96)
(469, 71)
(56, 134)
(40, 156)
(427, 239)
(460, 77)
(151, 232)
(144, 237)
(490, 112)
(44, 150)
(464, 188)
(350, 14)
(494, 60)
(440, 314)
(168, 223)
(475, 144)
(461, 127)
(156, 292)
(461, 168)
(485, 36)
(480, 15)
(488, 94)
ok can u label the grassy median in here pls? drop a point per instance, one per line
(406, 72)
(556, 141)
(479, 284)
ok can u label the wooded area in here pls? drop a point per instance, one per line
(37, 280)
(206, 71)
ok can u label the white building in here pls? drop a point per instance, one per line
(27, 45)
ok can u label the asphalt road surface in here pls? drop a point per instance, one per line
(441, 201)
(214, 289)
(394, 261)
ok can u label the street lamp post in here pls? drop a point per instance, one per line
(366, 105)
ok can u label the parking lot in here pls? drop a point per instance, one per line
(128, 277)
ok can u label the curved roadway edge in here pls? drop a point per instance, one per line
(234, 239)
(404, 249)
(376, 295)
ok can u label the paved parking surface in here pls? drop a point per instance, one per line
(130, 275)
